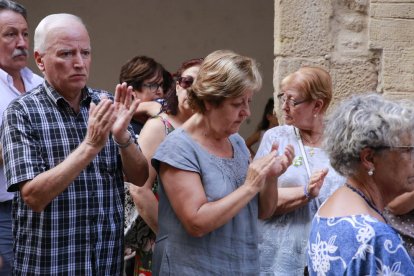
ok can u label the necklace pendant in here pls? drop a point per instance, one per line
(311, 151)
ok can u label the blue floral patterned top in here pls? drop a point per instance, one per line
(356, 245)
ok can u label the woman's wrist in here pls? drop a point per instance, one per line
(307, 192)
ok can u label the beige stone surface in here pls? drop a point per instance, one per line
(353, 76)
(385, 33)
(367, 46)
(302, 27)
(391, 30)
(398, 70)
(393, 10)
(391, 1)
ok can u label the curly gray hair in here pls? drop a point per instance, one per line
(365, 121)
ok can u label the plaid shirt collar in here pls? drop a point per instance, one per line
(58, 99)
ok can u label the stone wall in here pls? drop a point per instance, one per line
(365, 45)
(391, 31)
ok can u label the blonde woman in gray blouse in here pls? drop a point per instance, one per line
(210, 195)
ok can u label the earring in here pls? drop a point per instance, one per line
(371, 172)
(314, 115)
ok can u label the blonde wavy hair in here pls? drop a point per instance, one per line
(223, 74)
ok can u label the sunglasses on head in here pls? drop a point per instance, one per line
(185, 82)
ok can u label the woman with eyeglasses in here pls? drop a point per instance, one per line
(150, 81)
(209, 194)
(304, 98)
(369, 140)
(175, 112)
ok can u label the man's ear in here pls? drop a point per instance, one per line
(39, 61)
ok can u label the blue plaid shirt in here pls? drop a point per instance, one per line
(81, 231)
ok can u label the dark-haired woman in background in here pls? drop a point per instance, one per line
(150, 81)
(176, 112)
(269, 120)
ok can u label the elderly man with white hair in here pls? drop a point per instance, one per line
(67, 147)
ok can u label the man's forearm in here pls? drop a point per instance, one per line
(40, 191)
(134, 165)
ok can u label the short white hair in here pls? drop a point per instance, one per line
(50, 22)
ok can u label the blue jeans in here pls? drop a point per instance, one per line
(6, 238)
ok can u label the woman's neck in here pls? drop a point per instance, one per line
(201, 129)
(179, 118)
(200, 125)
(370, 189)
(312, 136)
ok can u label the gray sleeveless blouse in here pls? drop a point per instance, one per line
(229, 250)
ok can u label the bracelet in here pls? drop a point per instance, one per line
(307, 194)
(122, 146)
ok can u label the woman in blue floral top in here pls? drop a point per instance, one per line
(370, 141)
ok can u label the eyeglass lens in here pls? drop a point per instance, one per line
(407, 149)
(153, 87)
(284, 100)
(185, 82)
(290, 102)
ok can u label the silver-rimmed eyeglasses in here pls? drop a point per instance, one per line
(289, 101)
(406, 149)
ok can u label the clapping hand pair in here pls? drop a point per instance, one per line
(111, 117)
(270, 165)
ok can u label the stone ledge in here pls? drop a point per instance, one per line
(383, 33)
(392, 1)
(400, 11)
(398, 95)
